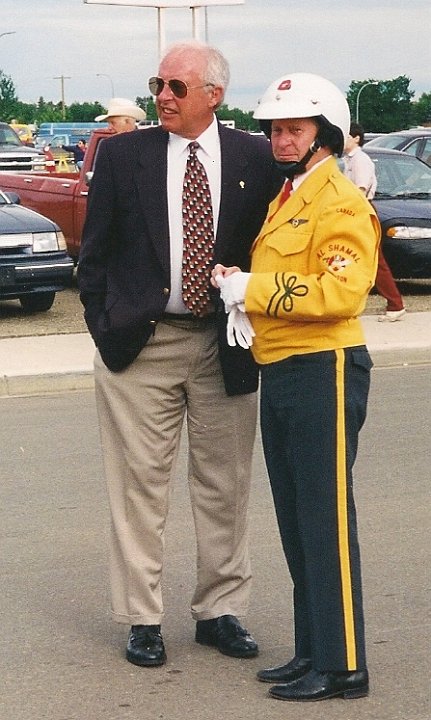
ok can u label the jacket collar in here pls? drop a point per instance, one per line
(302, 196)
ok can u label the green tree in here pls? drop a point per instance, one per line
(8, 98)
(384, 106)
(24, 112)
(84, 112)
(47, 111)
(422, 110)
(243, 120)
(147, 103)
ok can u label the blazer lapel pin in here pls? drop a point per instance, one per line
(242, 184)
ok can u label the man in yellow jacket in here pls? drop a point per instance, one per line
(313, 265)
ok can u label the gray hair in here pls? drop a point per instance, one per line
(217, 67)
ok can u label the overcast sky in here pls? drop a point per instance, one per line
(343, 40)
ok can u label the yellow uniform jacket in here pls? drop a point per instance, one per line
(313, 265)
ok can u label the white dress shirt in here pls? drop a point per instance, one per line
(210, 157)
(359, 168)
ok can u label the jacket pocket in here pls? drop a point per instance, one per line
(361, 358)
(287, 240)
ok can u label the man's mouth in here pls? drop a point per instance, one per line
(167, 110)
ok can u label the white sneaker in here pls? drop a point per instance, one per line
(392, 315)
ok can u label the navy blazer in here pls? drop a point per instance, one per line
(124, 263)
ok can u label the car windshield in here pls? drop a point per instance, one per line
(42, 141)
(9, 137)
(387, 141)
(401, 176)
(58, 141)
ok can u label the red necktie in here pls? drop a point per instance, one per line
(198, 235)
(285, 193)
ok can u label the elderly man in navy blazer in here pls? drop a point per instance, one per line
(160, 359)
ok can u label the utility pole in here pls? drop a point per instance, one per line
(63, 104)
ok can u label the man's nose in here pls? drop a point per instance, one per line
(166, 93)
(285, 139)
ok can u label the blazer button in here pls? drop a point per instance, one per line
(166, 291)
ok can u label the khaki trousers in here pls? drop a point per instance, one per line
(141, 412)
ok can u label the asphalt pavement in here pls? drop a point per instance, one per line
(56, 363)
(62, 657)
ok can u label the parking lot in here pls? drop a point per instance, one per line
(66, 315)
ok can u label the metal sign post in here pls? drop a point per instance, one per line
(162, 5)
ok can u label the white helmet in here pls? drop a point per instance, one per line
(303, 95)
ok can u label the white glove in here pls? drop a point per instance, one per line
(239, 329)
(233, 288)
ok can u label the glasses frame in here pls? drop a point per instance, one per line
(156, 80)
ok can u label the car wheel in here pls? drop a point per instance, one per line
(39, 302)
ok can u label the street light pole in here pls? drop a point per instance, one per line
(373, 82)
(11, 32)
(110, 80)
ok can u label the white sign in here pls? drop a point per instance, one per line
(165, 3)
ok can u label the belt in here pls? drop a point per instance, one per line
(187, 317)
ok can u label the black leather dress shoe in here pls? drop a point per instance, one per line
(145, 645)
(293, 670)
(322, 685)
(227, 635)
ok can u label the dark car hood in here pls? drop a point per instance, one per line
(403, 209)
(16, 219)
(18, 150)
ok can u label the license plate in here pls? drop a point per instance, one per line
(7, 276)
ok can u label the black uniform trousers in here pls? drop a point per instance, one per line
(312, 409)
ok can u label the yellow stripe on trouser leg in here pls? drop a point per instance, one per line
(343, 530)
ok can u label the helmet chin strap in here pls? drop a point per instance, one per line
(290, 169)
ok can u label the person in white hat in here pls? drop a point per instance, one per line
(122, 115)
(312, 267)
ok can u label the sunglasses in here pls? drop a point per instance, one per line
(178, 87)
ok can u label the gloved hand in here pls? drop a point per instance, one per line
(233, 288)
(239, 329)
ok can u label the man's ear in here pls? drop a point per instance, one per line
(215, 97)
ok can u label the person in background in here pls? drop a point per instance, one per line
(313, 265)
(359, 168)
(165, 204)
(122, 115)
(78, 151)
